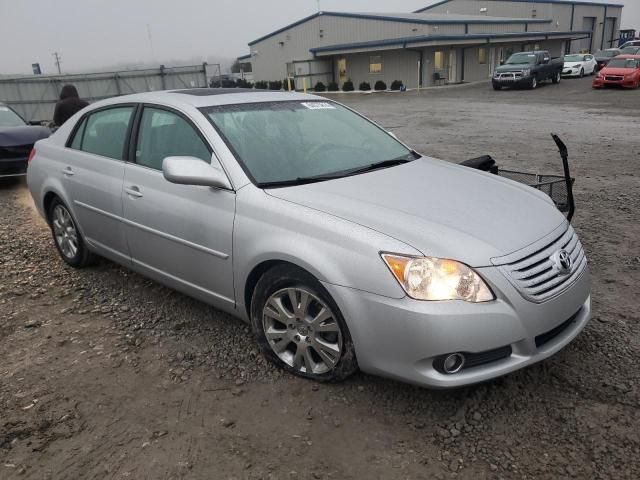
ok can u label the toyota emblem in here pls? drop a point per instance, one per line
(563, 262)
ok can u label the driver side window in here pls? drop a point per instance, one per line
(166, 134)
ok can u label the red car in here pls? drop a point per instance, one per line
(623, 70)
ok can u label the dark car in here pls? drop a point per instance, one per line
(528, 69)
(16, 141)
(604, 56)
(631, 50)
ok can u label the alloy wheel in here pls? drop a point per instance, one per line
(65, 232)
(302, 330)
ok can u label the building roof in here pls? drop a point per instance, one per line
(569, 2)
(405, 41)
(423, 18)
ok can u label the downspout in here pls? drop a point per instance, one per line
(573, 13)
(604, 27)
(420, 52)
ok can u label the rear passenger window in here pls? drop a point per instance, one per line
(104, 132)
(165, 134)
(76, 144)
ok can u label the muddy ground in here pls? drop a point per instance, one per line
(104, 374)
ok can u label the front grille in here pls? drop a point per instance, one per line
(510, 76)
(613, 78)
(537, 275)
(553, 333)
(482, 358)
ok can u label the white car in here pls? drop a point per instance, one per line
(632, 43)
(579, 65)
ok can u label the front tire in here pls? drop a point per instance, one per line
(534, 83)
(299, 327)
(67, 237)
(557, 78)
(497, 87)
(581, 72)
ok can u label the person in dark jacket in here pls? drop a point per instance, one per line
(68, 105)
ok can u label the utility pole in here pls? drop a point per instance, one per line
(57, 57)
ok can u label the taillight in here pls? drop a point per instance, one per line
(32, 154)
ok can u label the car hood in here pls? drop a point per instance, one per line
(439, 208)
(617, 71)
(26, 135)
(513, 68)
(573, 64)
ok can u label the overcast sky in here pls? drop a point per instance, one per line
(93, 34)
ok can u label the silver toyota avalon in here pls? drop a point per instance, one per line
(341, 246)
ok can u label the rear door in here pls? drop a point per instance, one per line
(93, 171)
(179, 234)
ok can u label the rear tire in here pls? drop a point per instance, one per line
(67, 237)
(299, 327)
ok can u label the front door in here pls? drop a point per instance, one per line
(453, 67)
(92, 172)
(342, 71)
(179, 234)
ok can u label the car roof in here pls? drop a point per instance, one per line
(207, 97)
(632, 57)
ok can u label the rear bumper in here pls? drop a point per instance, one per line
(13, 167)
(405, 339)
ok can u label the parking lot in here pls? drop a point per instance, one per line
(104, 374)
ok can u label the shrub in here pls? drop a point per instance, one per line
(347, 86)
(365, 87)
(262, 85)
(226, 83)
(319, 87)
(396, 85)
(242, 83)
(333, 87)
(380, 85)
(275, 85)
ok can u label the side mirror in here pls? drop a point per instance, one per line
(546, 60)
(501, 62)
(193, 171)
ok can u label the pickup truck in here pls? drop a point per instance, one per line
(528, 69)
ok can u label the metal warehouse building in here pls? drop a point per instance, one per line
(448, 42)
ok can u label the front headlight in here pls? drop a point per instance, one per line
(429, 278)
(526, 72)
(577, 66)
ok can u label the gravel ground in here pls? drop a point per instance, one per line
(104, 374)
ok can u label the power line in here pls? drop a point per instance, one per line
(58, 61)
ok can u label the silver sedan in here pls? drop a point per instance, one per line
(340, 245)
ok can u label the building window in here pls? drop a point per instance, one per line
(439, 60)
(482, 56)
(375, 64)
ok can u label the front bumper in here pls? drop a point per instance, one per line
(13, 167)
(514, 81)
(606, 82)
(401, 338)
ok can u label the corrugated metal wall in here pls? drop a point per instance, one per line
(34, 97)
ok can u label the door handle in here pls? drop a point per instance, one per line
(133, 191)
(68, 171)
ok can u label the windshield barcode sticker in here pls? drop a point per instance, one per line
(318, 105)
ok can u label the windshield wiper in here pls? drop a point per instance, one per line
(341, 174)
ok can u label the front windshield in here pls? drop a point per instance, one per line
(293, 140)
(8, 118)
(522, 59)
(573, 58)
(623, 63)
(630, 50)
(606, 53)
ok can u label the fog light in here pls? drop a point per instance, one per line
(453, 363)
